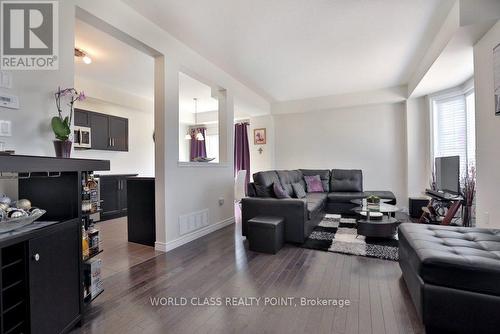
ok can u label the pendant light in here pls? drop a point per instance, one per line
(199, 135)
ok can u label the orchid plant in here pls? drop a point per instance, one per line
(61, 125)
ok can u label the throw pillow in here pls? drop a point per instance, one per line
(279, 191)
(313, 184)
(298, 190)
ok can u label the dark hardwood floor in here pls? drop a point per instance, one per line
(220, 265)
(118, 254)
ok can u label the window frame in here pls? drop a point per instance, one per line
(224, 134)
(464, 90)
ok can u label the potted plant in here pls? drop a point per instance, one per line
(373, 203)
(468, 193)
(61, 125)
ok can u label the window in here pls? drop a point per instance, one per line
(212, 141)
(198, 121)
(454, 131)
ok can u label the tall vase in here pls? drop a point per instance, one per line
(467, 215)
(62, 148)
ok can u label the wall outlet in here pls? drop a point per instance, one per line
(221, 201)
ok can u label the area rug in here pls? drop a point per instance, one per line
(338, 235)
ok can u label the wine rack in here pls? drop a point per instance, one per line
(14, 295)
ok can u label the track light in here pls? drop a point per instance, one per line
(82, 54)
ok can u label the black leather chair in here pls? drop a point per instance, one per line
(453, 276)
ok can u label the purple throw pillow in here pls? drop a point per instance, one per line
(314, 184)
(279, 191)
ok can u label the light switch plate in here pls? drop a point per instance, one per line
(5, 128)
(5, 79)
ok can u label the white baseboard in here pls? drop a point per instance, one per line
(168, 246)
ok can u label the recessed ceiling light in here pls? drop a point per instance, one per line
(82, 54)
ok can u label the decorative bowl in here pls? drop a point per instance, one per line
(12, 224)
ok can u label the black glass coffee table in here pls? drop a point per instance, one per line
(387, 227)
(378, 222)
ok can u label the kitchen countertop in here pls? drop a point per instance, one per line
(29, 163)
(115, 175)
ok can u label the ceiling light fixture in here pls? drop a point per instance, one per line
(194, 132)
(199, 135)
(82, 54)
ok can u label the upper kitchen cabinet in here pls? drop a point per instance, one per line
(118, 132)
(82, 117)
(108, 132)
(99, 127)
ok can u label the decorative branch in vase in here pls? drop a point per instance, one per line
(468, 193)
(61, 125)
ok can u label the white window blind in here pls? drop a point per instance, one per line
(454, 129)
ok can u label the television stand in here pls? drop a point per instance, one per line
(442, 195)
(442, 209)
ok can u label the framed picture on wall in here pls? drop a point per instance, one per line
(496, 76)
(259, 136)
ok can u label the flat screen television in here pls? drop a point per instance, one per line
(448, 174)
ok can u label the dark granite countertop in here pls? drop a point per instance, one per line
(29, 163)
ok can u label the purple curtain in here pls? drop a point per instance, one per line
(241, 150)
(198, 148)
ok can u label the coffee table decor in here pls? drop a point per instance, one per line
(373, 203)
(339, 235)
(372, 221)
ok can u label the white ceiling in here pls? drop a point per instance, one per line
(189, 89)
(127, 69)
(455, 64)
(114, 63)
(292, 49)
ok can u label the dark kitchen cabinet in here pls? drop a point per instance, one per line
(81, 117)
(118, 132)
(40, 278)
(109, 133)
(99, 127)
(54, 271)
(113, 195)
(141, 210)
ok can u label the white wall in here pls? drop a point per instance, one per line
(139, 110)
(175, 181)
(140, 156)
(487, 132)
(357, 99)
(418, 145)
(371, 138)
(264, 161)
(184, 145)
(31, 131)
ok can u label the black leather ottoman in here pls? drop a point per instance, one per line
(266, 234)
(453, 276)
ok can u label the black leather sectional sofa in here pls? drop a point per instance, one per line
(301, 215)
(453, 276)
